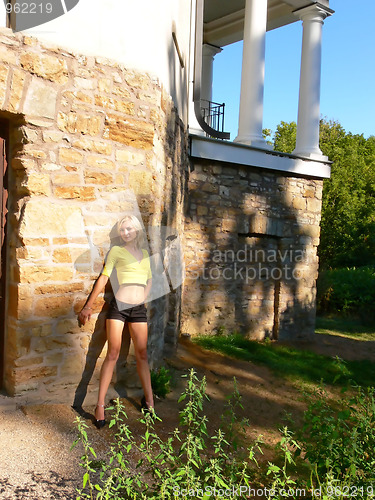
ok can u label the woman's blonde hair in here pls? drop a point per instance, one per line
(140, 238)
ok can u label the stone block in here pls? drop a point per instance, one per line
(121, 91)
(50, 167)
(45, 218)
(130, 157)
(309, 192)
(309, 230)
(135, 133)
(100, 163)
(54, 359)
(299, 203)
(34, 153)
(71, 326)
(7, 56)
(314, 205)
(16, 90)
(22, 163)
(40, 274)
(67, 179)
(3, 82)
(126, 107)
(38, 184)
(30, 41)
(28, 375)
(140, 181)
(69, 155)
(59, 289)
(258, 224)
(78, 123)
(20, 302)
(85, 83)
(76, 193)
(40, 242)
(53, 307)
(40, 100)
(202, 210)
(73, 366)
(137, 80)
(103, 148)
(79, 96)
(101, 178)
(28, 361)
(104, 85)
(46, 66)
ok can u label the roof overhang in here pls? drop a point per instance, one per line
(224, 20)
(241, 154)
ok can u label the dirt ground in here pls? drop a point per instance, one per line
(35, 457)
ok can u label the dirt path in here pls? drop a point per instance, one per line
(35, 457)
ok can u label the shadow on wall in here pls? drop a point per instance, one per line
(254, 262)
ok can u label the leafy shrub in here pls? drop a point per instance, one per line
(161, 381)
(338, 438)
(348, 291)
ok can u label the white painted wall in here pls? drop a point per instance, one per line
(137, 33)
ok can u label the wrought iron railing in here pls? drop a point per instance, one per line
(213, 114)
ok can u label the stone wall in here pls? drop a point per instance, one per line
(251, 240)
(83, 131)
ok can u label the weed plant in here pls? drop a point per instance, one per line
(161, 381)
(188, 460)
(335, 444)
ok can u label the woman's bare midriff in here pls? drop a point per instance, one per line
(131, 294)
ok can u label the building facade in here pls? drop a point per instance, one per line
(102, 102)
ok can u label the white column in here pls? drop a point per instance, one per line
(208, 54)
(250, 123)
(307, 143)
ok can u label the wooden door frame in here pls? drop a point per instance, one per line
(4, 141)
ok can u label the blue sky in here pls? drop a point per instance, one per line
(348, 71)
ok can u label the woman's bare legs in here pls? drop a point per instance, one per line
(114, 328)
(138, 333)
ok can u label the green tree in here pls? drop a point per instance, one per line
(348, 210)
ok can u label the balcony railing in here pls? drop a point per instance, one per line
(213, 114)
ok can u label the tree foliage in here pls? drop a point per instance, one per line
(348, 210)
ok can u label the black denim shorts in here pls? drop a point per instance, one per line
(127, 312)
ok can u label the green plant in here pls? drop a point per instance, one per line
(189, 459)
(350, 328)
(161, 381)
(347, 292)
(338, 437)
(290, 362)
(281, 479)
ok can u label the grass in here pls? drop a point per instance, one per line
(292, 363)
(345, 327)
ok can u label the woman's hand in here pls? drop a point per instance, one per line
(85, 315)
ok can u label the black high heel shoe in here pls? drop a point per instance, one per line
(99, 424)
(145, 407)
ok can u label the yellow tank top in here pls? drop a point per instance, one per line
(129, 269)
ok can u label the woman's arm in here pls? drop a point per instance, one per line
(85, 313)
